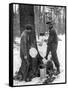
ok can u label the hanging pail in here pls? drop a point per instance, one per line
(42, 71)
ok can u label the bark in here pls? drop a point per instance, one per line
(27, 17)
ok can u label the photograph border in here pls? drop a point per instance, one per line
(11, 45)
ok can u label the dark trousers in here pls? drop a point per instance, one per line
(53, 49)
(24, 68)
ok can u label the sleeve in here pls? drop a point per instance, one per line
(23, 45)
(51, 36)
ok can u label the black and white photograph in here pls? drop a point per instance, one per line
(38, 44)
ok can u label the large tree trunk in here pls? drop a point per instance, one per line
(27, 17)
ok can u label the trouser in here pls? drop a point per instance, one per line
(55, 60)
(53, 49)
(24, 68)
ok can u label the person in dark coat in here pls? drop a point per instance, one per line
(25, 44)
(29, 66)
(52, 45)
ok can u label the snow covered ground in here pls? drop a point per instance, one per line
(42, 50)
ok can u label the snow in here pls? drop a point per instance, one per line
(16, 55)
(61, 57)
(42, 50)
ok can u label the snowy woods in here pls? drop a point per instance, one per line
(41, 15)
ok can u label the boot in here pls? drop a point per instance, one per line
(57, 72)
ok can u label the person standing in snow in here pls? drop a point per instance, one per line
(52, 45)
(24, 55)
(29, 65)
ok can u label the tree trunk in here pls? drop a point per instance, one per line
(27, 17)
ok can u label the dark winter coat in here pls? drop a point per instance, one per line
(52, 37)
(52, 47)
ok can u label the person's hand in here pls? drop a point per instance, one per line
(25, 57)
